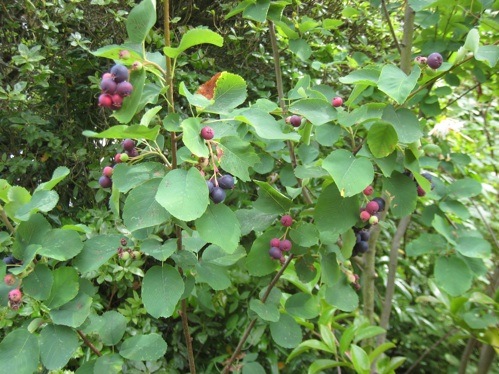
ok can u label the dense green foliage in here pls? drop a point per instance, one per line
(151, 275)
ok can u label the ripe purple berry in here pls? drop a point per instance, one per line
(286, 220)
(285, 245)
(105, 100)
(421, 192)
(132, 153)
(210, 185)
(217, 195)
(108, 86)
(105, 182)
(361, 247)
(434, 60)
(120, 73)
(372, 207)
(275, 253)
(295, 120)
(124, 88)
(15, 295)
(207, 133)
(128, 144)
(226, 182)
(337, 102)
(381, 203)
(275, 242)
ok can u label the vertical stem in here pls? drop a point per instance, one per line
(465, 357)
(406, 47)
(173, 143)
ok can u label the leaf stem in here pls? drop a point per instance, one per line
(89, 343)
(6, 221)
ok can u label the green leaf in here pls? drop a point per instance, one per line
(360, 359)
(257, 11)
(191, 137)
(258, 262)
(30, 232)
(472, 41)
(157, 250)
(126, 177)
(217, 256)
(404, 192)
(317, 111)
(342, 296)
(27, 258)
(300, 48)
(266, 311)
(57, 345)
(140, 347)
(219, 225)
(331, 272)
(265, 125)
(64, 288)
(465, 188)
(230, 92)
(96, 252)
(111, 327)
(42, 200)
(286, 332)
(61, 244)
(442, 226)
(270, 200)
(318, 366)
(141, 209)
(215, 276)
(382, 139)
(162, 288)
(472, 246)
(140, 21)
(304, 234)
(19, 352)
(73, 313)
(365, 76)
(452, 275)
(334, 213)
(194, 37)
(131, 103)
(124, 132)
(396, 84)
(184, 194)
(405, 123)
(39, 282)
(426, 244)
(238, 157)
(113, 52)
(110, 364)
(58, 175)
(488, 54)
(351, 174)
(303, 305)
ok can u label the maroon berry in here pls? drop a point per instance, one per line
(295, 121)
(105, 100)
(207, 133)
(108, 171)
(368, 190)
(9, 279)
(275, 242)
(117, 158)
(119, 73)
(108, 86)
(372, 207)
(15, 295)
(117, 101)
(381, 203)
(124, 88)
(123, 242)
(133, 153)
(421, 192)
(420, 60)
(287, 220)
(275, 253)
(128, 144)
(105, 182)
(337, 102)
(285, 245)
(434, 60)
(364, 216)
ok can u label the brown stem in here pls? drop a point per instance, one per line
(246, 333)
(6, 221)
(468, 350)
(88, 343)
(392, 31)
(406, 47)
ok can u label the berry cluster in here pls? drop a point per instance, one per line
(114, 87)
(105, 181)
(279, 246)
(296, 120)
(126, 253)
(362, 241)
(434, 60)
(218, 186)
(370, 213)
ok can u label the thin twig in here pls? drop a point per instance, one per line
(392, 31)
(88, 343)
(6, 220)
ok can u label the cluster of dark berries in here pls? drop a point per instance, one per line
(11, 260)
(296, 120)
(434, 60)
(370, 213)
(105, 181)
(218, 186)
(114, 87)
(362, 241)
(126, 253)
(420, 190)
(279, 246)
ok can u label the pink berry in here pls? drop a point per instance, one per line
(337, 101)
(287, 220)
(368, 190)
(117, 158)
(117, 101)
(133, 153)
(207, 133)
(124, 54)
(372, 207)
(285, 245)
(364, 216)
(108, 171)
(295, 121)
(15, 295)
(9, 280)
(275, 242)
(105, 100)
(107, 76)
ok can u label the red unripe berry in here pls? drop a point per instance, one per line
(285, 245)
(275, 242)
(207, 133)
(15, 295)
(368, 190)
(421, 192)
(9, 279)
(128, 144)
(337, 101)
(364, 216)
(108, 171)
(372, 207)
(137, 65)
(421, 60)
(295, 120)
(287, 220)
(117, 158)
(105, 100)
(117, 101)
(107, 76)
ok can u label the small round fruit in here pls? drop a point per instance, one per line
(372, 207)
(274, 242)
(107, 76)
(275, 253)
(337, 102)
(217, 195)
(107, 171)
(124, 89)
(117, 158)
(421, 60)
(128, 144)
(124, 157)
(226, 182)
(15, 295)
(364, 235)
(124, 54)
(421, 192)
(207, 133)
(105, 100)
(105, 182)
(125, 255)
(434, 60)
(295, 120)
(117, 101)
(285, 245)
(210, 186)
(364, 216)
(286, 220)
(137, 255)
(108, 86)
(361, 247)
(137, 65)
(381, 203)
(132, 153)
(9, 279)
(120, 73)
(368, 190)
(373, 220)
